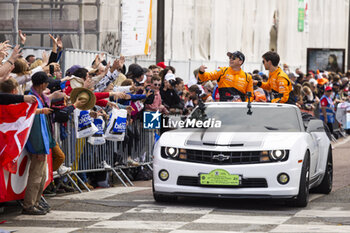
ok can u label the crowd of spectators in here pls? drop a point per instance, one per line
(136, 89)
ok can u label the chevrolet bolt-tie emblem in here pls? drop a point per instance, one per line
(221, 157)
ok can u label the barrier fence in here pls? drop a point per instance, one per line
(82, 157)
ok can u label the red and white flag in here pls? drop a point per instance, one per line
(15, 123)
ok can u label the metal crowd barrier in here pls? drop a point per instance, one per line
(112, 156)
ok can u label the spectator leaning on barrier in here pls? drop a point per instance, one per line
(136, 73)
(9, 91)
(110, 75)
(155, 99)
(169, 96)
(179, 86)
(131, 96)
(38, 145)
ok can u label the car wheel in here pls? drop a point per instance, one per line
(303, 196)
(161, 197)
(326, 185)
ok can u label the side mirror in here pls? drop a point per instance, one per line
(315, 126)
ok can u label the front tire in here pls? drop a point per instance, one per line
(326, 185)
(303, 196)
(161, 197)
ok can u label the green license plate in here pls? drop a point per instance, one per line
(220, 177)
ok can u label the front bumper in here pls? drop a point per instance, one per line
(223, 196)
(267, 171)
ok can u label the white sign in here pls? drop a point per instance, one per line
(347, 126)
(136, 27)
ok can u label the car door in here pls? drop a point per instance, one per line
(314, 152)
(323, 146)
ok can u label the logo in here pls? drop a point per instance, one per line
(221, 157)
(151, 120)
(99, 124)
(84, 120)
(119, 125)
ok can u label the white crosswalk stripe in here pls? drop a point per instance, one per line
(102, 193)
(196, 231)
(310, 228)
(149, 225)
(239, 219)
(149, 208)
(70, 216)
(323, 213)
(38, 229)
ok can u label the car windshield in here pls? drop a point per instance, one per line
(262, 119)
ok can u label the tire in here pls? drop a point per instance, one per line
(164, 198)
(303, 196)
(161, 197)
(326, 185)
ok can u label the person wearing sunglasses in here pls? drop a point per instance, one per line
(233, 82)
(278, 82)
(154, 101)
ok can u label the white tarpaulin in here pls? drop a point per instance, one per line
(136, 27)
(203, 31)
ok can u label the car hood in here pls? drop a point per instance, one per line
(207, 138)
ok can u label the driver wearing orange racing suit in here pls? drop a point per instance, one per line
(233, 82)
(278, 83)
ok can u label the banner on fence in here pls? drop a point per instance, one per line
(13, 186)
(15, 123)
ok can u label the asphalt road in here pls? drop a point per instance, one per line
(133, 209)
(341, 159)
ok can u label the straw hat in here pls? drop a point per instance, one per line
(84, 95)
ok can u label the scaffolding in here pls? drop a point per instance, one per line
(57, 22)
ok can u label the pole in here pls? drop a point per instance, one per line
(81, 25)
(348, 63)
(160, 31)
(98, 26)
(15, 21)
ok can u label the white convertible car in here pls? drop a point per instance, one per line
(262, 151)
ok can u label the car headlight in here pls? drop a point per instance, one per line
(278, 155)
(171, 152)
(265, 156)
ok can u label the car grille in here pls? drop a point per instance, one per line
(246, 183)
(201, 156)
